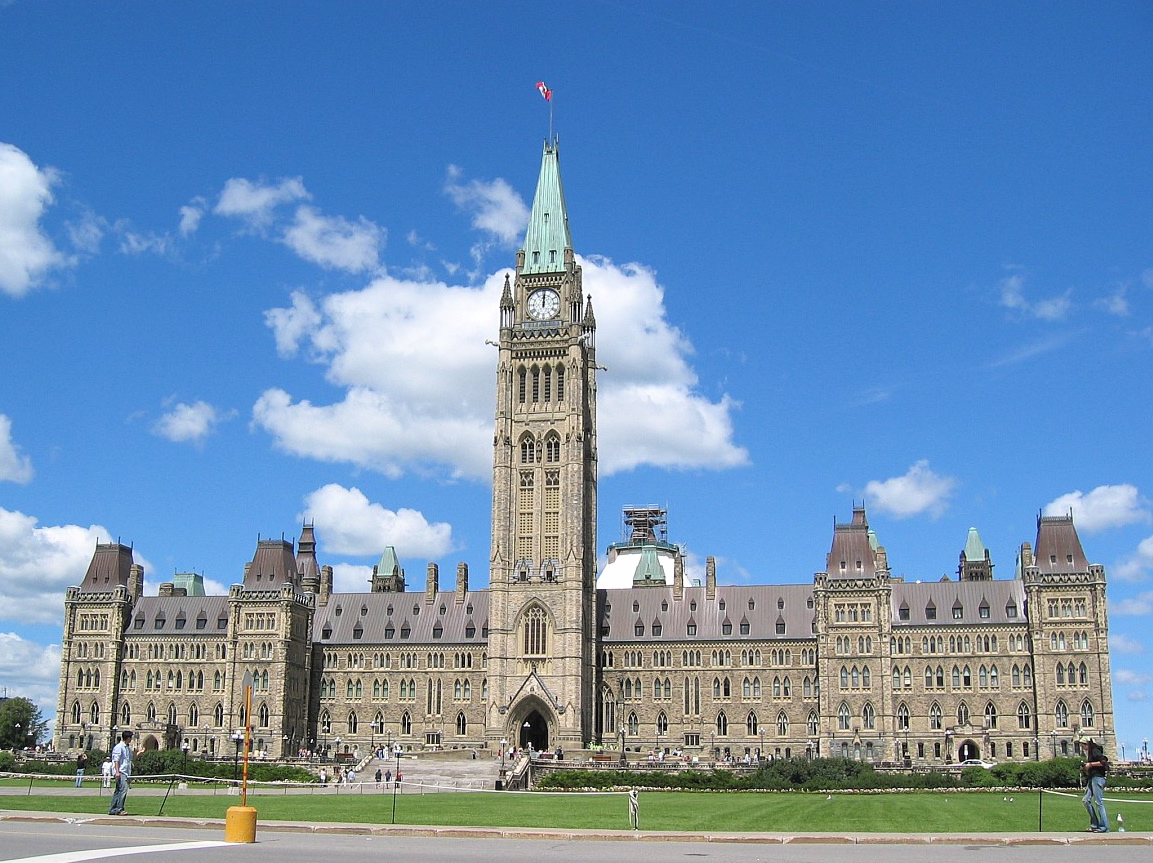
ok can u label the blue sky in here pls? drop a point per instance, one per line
(250, 253)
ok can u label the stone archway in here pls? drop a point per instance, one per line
(150, 742)
(533, 732)
(968, 749)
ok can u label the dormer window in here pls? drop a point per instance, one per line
(636, 606)
(930, 612)
(536, 257)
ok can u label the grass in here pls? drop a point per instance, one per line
(910, 812)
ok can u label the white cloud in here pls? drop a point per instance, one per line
(1138, 695)
(86, 233)
(27, 255)
(133, 243)
(38, 563)
(1117, 303)
(190, 216)
(1126, 677)
(255, 203)
(189, 423)
(420, 381)
(1135, 567)
(333, 241)
(31, 671)
(495, 206)
(1137, 606)
(353, 525)
(1119, 643)
(351, 578)
(14, 467)
(1104, 507)
(1012, 290)
(919, 490)
(291, 325)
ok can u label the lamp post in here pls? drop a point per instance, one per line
(237, 738)
(503, 753)
(19, 737)
(336, 742)
(395, 779)
(184, 749)
(621, 734)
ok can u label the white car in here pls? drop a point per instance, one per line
(976, 762)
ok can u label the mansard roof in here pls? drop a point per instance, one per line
(619, 611)
(372, 614)
(548, 230)
(177, 615)
(969, 596)
(110, 567)
(272, 566)
(853, 553)
(1058, 548)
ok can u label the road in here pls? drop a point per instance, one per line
(25, 841)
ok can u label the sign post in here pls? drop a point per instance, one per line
(240, 821)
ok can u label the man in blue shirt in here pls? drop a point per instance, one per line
(121, 772)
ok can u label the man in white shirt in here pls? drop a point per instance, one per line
(121, 772)
(106, 773)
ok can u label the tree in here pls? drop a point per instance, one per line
(20, 724)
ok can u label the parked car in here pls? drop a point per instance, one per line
(975, 762)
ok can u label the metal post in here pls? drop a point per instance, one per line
(395, 780)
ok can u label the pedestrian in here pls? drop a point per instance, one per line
(1096, 768)
(387, 777)
(122, 772)
(399, 778)
(81, 763)
(106, 773)
(378, 777)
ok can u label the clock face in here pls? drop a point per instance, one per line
(543, 305)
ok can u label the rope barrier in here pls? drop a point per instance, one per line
(1079, 796)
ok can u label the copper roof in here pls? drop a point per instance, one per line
(852, 553)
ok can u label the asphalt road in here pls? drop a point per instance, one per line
(24, 840)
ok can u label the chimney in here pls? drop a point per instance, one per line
(678, 576)
(710, 578)
(461, 581)
(325, 586)
(431, 583)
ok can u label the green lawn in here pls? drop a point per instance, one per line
(911, 812)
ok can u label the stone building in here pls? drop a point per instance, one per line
(853, 662)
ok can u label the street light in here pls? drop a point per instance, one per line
(621, 733)
(503, 753)
(184, 749)
(237, 738)
(395, 779)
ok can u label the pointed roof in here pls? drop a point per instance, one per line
(273, 565)
(111, 566)
(974, 548)
(389, 564)
(547, 235)
(852, 553)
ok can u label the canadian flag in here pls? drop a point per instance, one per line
(544, 90)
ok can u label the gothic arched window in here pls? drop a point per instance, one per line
(535, 632)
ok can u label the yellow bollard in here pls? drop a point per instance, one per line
(240, 824)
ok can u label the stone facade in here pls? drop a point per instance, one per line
(854, 662)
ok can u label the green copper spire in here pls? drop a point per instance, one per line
(974, 548)
(389, 565)
(547, 236)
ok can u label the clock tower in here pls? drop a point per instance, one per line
(543, 562)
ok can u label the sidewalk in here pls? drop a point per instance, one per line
(973, 838)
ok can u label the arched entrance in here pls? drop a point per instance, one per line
(534, 732)
(150, 742)
(968, 750)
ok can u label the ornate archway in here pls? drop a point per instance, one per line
(533, 732)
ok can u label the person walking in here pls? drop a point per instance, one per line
(81, 763)
(379, 776)
(106, 773)
(1096, 768)
(121, 772)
